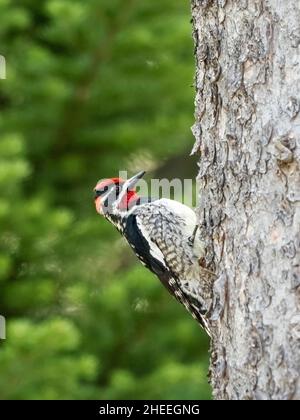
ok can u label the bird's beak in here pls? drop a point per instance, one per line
(131, 183)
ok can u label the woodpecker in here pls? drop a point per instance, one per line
(163, 234)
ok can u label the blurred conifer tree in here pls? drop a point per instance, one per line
(92, 87)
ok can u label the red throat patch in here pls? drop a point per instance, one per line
(128, 200)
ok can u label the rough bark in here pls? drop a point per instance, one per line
(247, 133)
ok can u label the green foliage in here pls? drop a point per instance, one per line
(92, 87)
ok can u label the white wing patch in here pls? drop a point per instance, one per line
(154, 250)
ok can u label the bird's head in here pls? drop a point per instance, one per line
(114, 195)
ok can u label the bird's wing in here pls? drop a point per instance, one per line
(150, 254)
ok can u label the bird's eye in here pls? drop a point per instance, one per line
(100, 192)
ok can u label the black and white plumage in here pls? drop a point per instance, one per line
(163, 236)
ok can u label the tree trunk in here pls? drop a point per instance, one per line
(247, 133)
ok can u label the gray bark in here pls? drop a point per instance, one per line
(247, 133)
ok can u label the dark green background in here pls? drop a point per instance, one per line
(92, 87)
